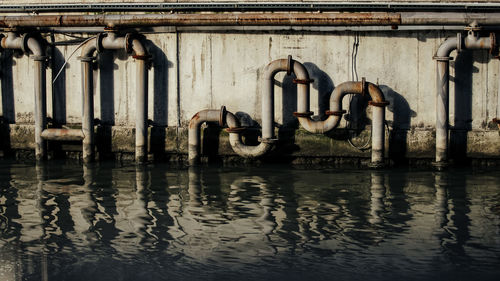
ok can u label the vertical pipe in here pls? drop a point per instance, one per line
(40, 109)
(88, 110)
(268, 107)
(141, 128)
(442, 96)
(442, 108)
(378, 136)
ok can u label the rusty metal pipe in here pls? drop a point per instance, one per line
(30, 44)
(378, 115)
(194, 138)
(88, 110)
(267, 139)
(442, 57)
(141, 127)
(113, 42)
(208, 19)
(63, 134)
(87, 59)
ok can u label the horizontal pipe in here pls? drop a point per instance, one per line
(308, 19)
(62, 134)
(246, 6)
(253, 19)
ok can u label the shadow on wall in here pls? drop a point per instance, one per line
(464, 69)
(400, 125)
(160, 65)
(8, 106)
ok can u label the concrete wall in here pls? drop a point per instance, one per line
(195, 70)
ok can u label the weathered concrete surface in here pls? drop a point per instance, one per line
(192, 71)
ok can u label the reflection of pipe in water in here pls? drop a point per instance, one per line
(82, 208)
(266, 204)
(29, 208)
(194, 187)
(441, 205)
(377, 197)
(131, 217)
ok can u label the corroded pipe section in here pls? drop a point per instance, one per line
(206, 19)
(194, 135)
(335, 113)
(63, 134)
(29, 44)
(111, 41)
(88, 100)
(471, 41)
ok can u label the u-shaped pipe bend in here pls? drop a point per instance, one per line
(111, 41)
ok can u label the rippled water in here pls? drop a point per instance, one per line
(66, 222)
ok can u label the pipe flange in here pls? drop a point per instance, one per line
(442, 58)
(363, 86)
(267, 140)
(24, 45)
(289, 65)
(303, 114)
(98, 44)
(379, 104)
(142, 57)
(303, 81)
(335, 113)
(128, 42)
(236, 130)
(222, 116)
(87, 59)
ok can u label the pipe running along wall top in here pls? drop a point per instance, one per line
(110, 41)
(253, 19)
(335, 113)
(473, 42)
(27, 44)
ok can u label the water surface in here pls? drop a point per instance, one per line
(111, 222)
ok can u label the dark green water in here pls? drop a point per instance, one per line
(66, 222)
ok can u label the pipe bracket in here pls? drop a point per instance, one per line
(236, 130)
(87, 59)
(270, 141)
(335, 113)
(39, 58)
(302, 81)
(303, 114)
(442, 58)
(379, 104)
(289, 65)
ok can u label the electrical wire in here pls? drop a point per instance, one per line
(66, 60)
(354, 77)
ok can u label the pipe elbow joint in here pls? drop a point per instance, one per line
(445, 49)
(376, 95)
(89, 48)
(248, 151)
